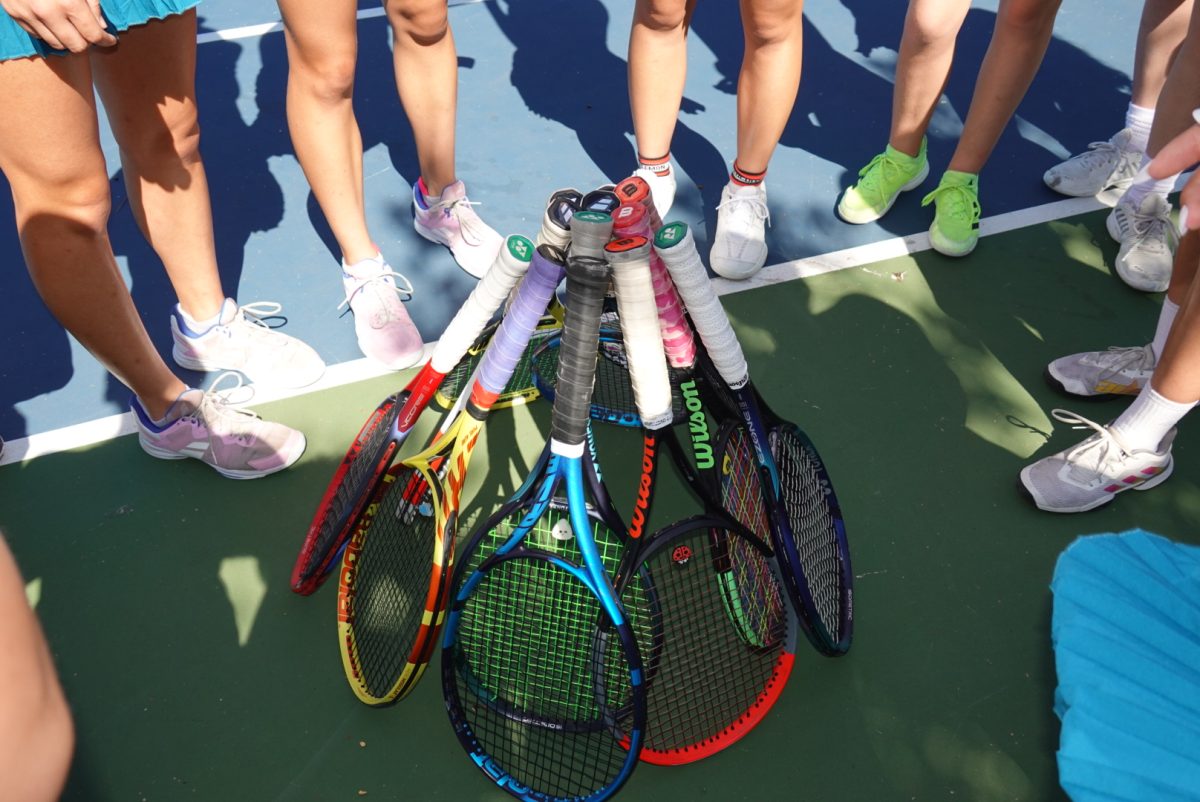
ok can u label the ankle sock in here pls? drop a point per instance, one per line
(1143, 185)
(1148, 419)
(742, 178)
(1165, 318)
(1139, 119)
(660, 166)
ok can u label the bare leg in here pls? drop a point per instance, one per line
(50, 153)
(657, 71)
(1181, 92)
(426, 65)
(322, 45)
(1175, 376)
(926, 53)
(1019, 42)
(147, 83)
(770, 77)
(1163, 26)
(36, 734)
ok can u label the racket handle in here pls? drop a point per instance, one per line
(632, 220)
(675, 244)
(511, 263)
(590, 232)
(587, 280)
(526, 310)
(630, 260)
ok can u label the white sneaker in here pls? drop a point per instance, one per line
(1148, 241)
(451, 221)
(241, 340)
(204, 426)
(740, 244)
(1104, 165)
(662, 189)
(1090, 474)
(1117, 371)
(384, 329)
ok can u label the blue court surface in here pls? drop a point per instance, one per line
(543, 104)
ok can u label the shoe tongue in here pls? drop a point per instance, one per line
(455, 191)
(365, 268)
(229, 310)
(1152, 204)
(958, 179)
(747, 191)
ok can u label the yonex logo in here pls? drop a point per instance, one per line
(670, 233)
(520, 247)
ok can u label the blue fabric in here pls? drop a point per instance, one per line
(1126, 633)
(120, 14)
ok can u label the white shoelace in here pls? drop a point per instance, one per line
(468, 221)
(1097, 154)
(738, 206)
(1101, 445)
(379, 286)
(216, 405)
(1117, 358)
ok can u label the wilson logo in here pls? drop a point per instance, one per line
(697, 425)
(641, 507)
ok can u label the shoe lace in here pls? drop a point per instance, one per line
(378, 285)
(956, 201)
(1098, 154)
(217, 413)
(1093, 455)
(1144, 228)
(741, 206)
(1118, 358)
(875, 175)
(472, 228)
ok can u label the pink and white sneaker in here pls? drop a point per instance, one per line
(451, 221)
(202, 425)
(385, 331)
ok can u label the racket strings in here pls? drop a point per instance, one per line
(805, 495)
(363, 463)
(541, 690)
(392, 564)
(717, 646)
(520, 384)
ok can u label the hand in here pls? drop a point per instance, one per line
(1179, 154)
(73, 25)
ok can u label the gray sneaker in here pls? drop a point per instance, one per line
(1117, 371)
(1090, 474)
(1148, 241)
(1104, 165)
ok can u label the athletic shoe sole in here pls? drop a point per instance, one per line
(162, 453)
(1100, 502)
(870, 216)
(1056, 384)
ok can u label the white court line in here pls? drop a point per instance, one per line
(103, 429)
(263, 28)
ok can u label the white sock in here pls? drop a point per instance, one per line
(1148, 419)
(1143, 185)
(1165, 318)
(363, 267)
(1138, 120)
(201, 326)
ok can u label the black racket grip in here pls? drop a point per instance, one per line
(587, 281)
(590, 232)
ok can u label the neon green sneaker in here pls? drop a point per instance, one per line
(880, 183)
(955, 229)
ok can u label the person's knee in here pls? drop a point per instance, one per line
(81, 200)
(661, 15)
(423, 21)
(927, 26)
(1028, 17)
(326, 75)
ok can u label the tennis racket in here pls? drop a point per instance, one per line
(388, 426)
(634, 190)
(396, 570)
(556, 220)
(807, 531)
(540, 667)
(723, 634)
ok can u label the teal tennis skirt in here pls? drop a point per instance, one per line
(121, 15)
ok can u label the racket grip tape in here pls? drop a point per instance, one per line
(630, 260)
(677, 248)
(587, 281)
(510, 265)
(524, 313)
(590, 232)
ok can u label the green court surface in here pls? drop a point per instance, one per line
(195, 674)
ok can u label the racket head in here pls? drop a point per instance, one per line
(717, 636)
(392, 587)
(348, 491)
(537, 681)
